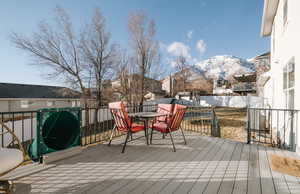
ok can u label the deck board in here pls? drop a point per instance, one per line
(204, 165)
(210, 166)
(254, 184)
(240, 183)
(267, 183)
(229, 178)
(220, 171)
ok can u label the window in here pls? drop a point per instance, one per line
(289, 83)
(24, 104)
(73, 103)
(285, 11)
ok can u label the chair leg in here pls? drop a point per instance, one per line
(183, 135)
(174, 149)
(151, 136)
(131, 137)
(163, 136)
(111, 135)
(127, 136)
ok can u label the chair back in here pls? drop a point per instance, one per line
(121, 118)
(177, 117)
(166, 109)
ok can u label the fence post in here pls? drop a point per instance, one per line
(215, 128)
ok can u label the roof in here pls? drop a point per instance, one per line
(270, 9)
(245, 77)
(262, 56)
(11, 90)
(244, 87)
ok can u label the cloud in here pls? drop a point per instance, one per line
(201, 46)
(179, 49)
(189, 34)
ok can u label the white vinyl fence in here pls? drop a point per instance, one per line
(232, 101)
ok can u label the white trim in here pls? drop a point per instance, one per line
(270, 9)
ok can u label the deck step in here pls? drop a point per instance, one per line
(26, 170)
(59, 155)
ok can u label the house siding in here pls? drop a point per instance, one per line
(285, 45)
(14, 105)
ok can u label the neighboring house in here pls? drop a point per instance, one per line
(281, 21)
(155, 95)
(246, 84)
(24, 97)
(262, 64)
(192, 81)
(168, 85)
(132, 87)
(222, 87)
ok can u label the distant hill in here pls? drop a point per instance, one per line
(224, 66)
(202, 74)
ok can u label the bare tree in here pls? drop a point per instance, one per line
(98, 53)
(123, 73)
(183, 72)
(57, 49)
(82, 60)
(145, 47)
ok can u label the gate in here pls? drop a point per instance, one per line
(274, 127)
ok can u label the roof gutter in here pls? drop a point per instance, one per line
(270, 9)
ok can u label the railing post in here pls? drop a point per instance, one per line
(293, 141)
(248, 126)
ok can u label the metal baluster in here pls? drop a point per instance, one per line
(284, 143)
(277, 131)
(22, 117)
(31, 127)
(2, 131)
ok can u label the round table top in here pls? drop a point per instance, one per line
(148, 114)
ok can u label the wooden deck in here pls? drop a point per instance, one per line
(205, 165)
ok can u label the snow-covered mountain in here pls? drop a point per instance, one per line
(224, 66)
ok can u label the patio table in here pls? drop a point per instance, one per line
(146, 117)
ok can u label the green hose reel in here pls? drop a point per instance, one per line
(57, 129)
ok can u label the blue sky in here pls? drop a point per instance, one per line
(202, 28)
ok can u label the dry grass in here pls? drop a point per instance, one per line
(232, 123)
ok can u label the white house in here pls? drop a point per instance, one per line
(281, 21)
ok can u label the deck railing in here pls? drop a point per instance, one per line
(275, 127)
(97, 123)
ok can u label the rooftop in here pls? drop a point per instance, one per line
(11, 90)
(204, 165)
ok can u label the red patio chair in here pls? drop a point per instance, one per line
(123, 122)
(172, 125)
(164, 108)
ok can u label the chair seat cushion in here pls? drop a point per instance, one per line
(9, 159)
(160, 126)
(137, 127)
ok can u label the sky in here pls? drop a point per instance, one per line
(198, 29)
